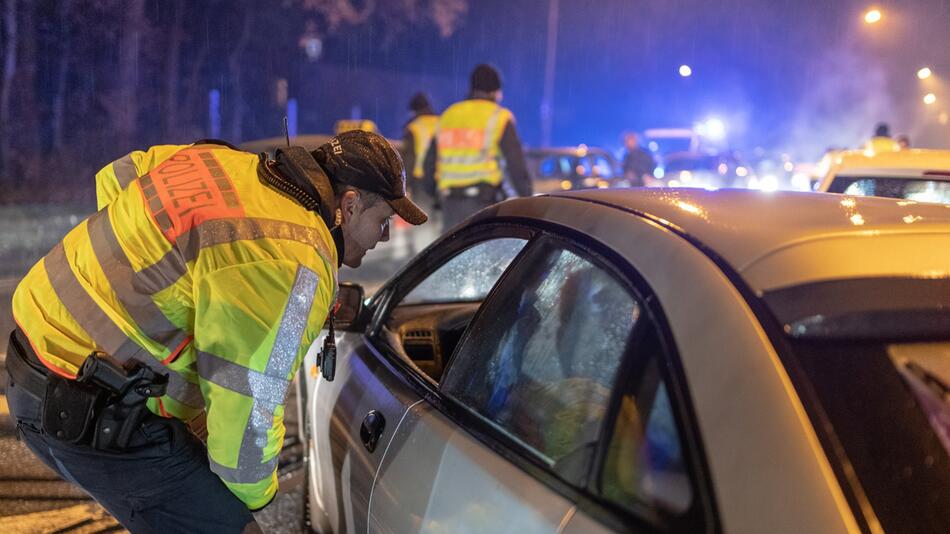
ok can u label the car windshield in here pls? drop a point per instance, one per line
(922, 189)
(888, 406)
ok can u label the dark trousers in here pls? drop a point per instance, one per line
(162, 483)
(456, 209)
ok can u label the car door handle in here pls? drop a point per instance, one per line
(372, 429)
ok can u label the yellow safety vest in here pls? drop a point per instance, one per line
(345, 125)
(197, 269)
(423, 130)
(468, 136)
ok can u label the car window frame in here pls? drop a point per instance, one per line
(650, 319)
(539, 240)
(704, 509)
(433, 259)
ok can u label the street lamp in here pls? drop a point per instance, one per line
(686, 71)
(924, 73)
(873, 16)
(930, 98)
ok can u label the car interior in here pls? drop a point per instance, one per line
(429, 333)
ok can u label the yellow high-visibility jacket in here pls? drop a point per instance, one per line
(423, 130)
(196, 268)
(469, 133)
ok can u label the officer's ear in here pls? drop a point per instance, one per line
(349, 203)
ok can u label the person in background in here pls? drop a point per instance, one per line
(475, 145)
(417, 136)
(638, 164)
(903, 141)
(881, 141)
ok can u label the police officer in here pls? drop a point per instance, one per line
(475, 146)
(416, 137)
(199, 286)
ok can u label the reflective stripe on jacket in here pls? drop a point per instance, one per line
(422, 129)
(198, 269)
(468, 136)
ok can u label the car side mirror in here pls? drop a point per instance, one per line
(349, 312)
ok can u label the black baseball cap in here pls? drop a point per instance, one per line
(367, 161)
(485, 78)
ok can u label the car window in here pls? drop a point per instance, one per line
(921, 190)
(645, 464)
(469, 276)
(541, 358)
(549, 168)
(602, 167)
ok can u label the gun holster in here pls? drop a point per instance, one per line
(104, 406)
(70, 408)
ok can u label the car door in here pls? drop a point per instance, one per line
(508, 437)
(352, 419)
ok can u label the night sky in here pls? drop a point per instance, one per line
(796, 75)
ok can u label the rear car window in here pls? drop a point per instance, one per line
(917, 189)
(541, 360)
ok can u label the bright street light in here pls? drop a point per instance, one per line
(924, 73)
(686, 71)
(713, 129)
(930, 98)
(872, 16)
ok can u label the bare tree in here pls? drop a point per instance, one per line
(62, 73)
(395, 16)
(234, 69)
(172, 71)
(122, 103)
(9, 72)
(28, 109)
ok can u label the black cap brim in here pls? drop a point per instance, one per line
(409, 212)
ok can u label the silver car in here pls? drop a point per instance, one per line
(653, 360)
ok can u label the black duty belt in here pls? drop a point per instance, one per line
(24, 366)
(101, 407)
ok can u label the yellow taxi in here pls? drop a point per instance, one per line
(910, 174)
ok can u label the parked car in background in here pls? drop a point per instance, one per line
(710, 170)
(665, 141)
(649, 360)
(912, 174)
(564, 168)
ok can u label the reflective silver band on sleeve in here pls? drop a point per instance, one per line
(268, 389)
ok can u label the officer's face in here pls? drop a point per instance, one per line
(363, 227)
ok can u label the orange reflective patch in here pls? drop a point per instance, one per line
(462, 138)
(187, 189)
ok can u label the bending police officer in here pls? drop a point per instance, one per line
(214, 269)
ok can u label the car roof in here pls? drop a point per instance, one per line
(856, 162)
(779, 239)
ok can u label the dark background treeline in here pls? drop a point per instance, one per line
(85, 81)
